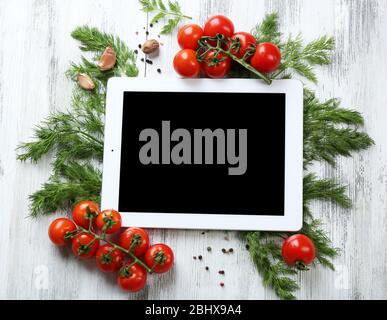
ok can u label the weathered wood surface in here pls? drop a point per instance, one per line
(35, 50)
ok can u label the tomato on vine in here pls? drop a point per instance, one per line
(61, 230)
(267, 57)
(132, 277)
(109, 259)
(159, 258)
(219, 25)
(85, 211)
(246, 41)
(216, 65)
(85, 245)
(189, 36)
(135, 240)
(186, 64)
(109, 221)
(299, 251)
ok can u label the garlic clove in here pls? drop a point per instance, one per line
(86, 82)
(108, 59)
(150, 46)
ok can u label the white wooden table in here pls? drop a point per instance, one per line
(35, 50)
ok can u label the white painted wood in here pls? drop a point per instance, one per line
(35, 49)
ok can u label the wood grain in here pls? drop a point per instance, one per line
(35, 50)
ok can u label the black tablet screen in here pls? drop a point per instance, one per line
(213, 153)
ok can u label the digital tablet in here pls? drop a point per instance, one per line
(204, 154)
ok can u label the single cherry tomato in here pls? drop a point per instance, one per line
(85, 246)
(109, 259)
(136, 240)
(267, 57)
(132, 278)
(216, 66)
(159, 258)
(246, 41)
(186, 64)
(189, 36)
(61, 230)
(85, 211)
(298, 250)
(219, 25)
(109, 221)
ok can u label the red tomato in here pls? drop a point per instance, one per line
(298, 250)
(189, 36)
(219, 25)
(159, 258)
(217, 67)
(109, 259)
(83, 212)
(85, 246)
(109, 221)
(135, 239)
(186, 64)
(267, 57)
(246, 41)
(132, 278)
(60, 230)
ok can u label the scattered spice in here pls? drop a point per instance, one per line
(142, 60)
(195, 258)
(147, 33)
(151, 25)
(136, 51)
(222, 284)
(200, 257)
(224, 250)
(226, 238)
(247, 247)
(139, 46)
(221, 272)
(149, 61)
(159, 71)
(231, 250)
(207, 268)
(150, 46)
(209, 249)
(203, 232)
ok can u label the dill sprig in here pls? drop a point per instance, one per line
(76, 137)
(172, 11)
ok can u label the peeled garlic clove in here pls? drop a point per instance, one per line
(85, 82)
(108, 60)
(150, 46)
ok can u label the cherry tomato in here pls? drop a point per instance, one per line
(135, 239)
(132, 278)
(83, 212)
(85, 246)
(159, 257)
(219, 25)
(298, 250)
(60, 231)
(109, 259)
(109, 221)
(216, 67)
(246, 41)
(189, 36)
(267, 57)
(186, 64)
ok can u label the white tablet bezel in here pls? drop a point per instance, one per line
(291, 221)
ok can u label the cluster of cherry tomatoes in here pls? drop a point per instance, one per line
(90, 226)
(216, 61)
